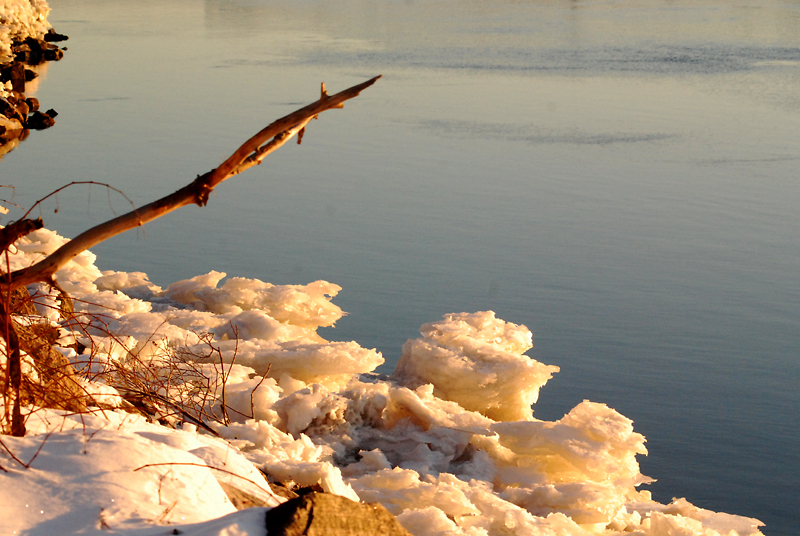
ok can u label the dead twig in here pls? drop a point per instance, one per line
(225, 419)
(253, 392)
(167, 511)
(55, 193)
(35, 454)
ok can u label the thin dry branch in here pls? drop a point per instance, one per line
(55, 193)
(197, 192)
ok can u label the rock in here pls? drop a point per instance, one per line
(23, 109)
(17, 74)
(53, 37)
(33, 104)
(53, 54)
(325, 514)
(40, 121)
(281, 490)
(18, 77)
(38, 49)
(22, 53)
(37, 45)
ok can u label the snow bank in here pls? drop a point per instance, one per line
(449, 443)
(20, 19)
(118, 473)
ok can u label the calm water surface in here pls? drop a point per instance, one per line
(619, 176)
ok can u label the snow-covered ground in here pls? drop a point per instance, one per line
(449, 443)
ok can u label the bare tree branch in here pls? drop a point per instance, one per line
(251, 153)
(16, 230)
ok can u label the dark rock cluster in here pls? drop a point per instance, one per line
(20, 114)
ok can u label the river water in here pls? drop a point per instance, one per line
(619, 176)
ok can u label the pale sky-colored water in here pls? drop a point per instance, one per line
(621, 177)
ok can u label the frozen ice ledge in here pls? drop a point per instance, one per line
(448, 443)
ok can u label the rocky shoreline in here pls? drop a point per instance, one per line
(19, 114)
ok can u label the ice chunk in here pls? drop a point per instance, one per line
(431, 521)
(315, 403)
(331, 364)
(186, 290)
(251, 398)
(476, 360)
(110, 303)
(256, 324)
(471, 505)
(681, 515)
(586, 503)
(306, 306)
(287, 459)
(371, 461)
(398, 489)
(592, 442)
(134, 284)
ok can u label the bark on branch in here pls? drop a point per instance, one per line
(16, 230)
(251, 153)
